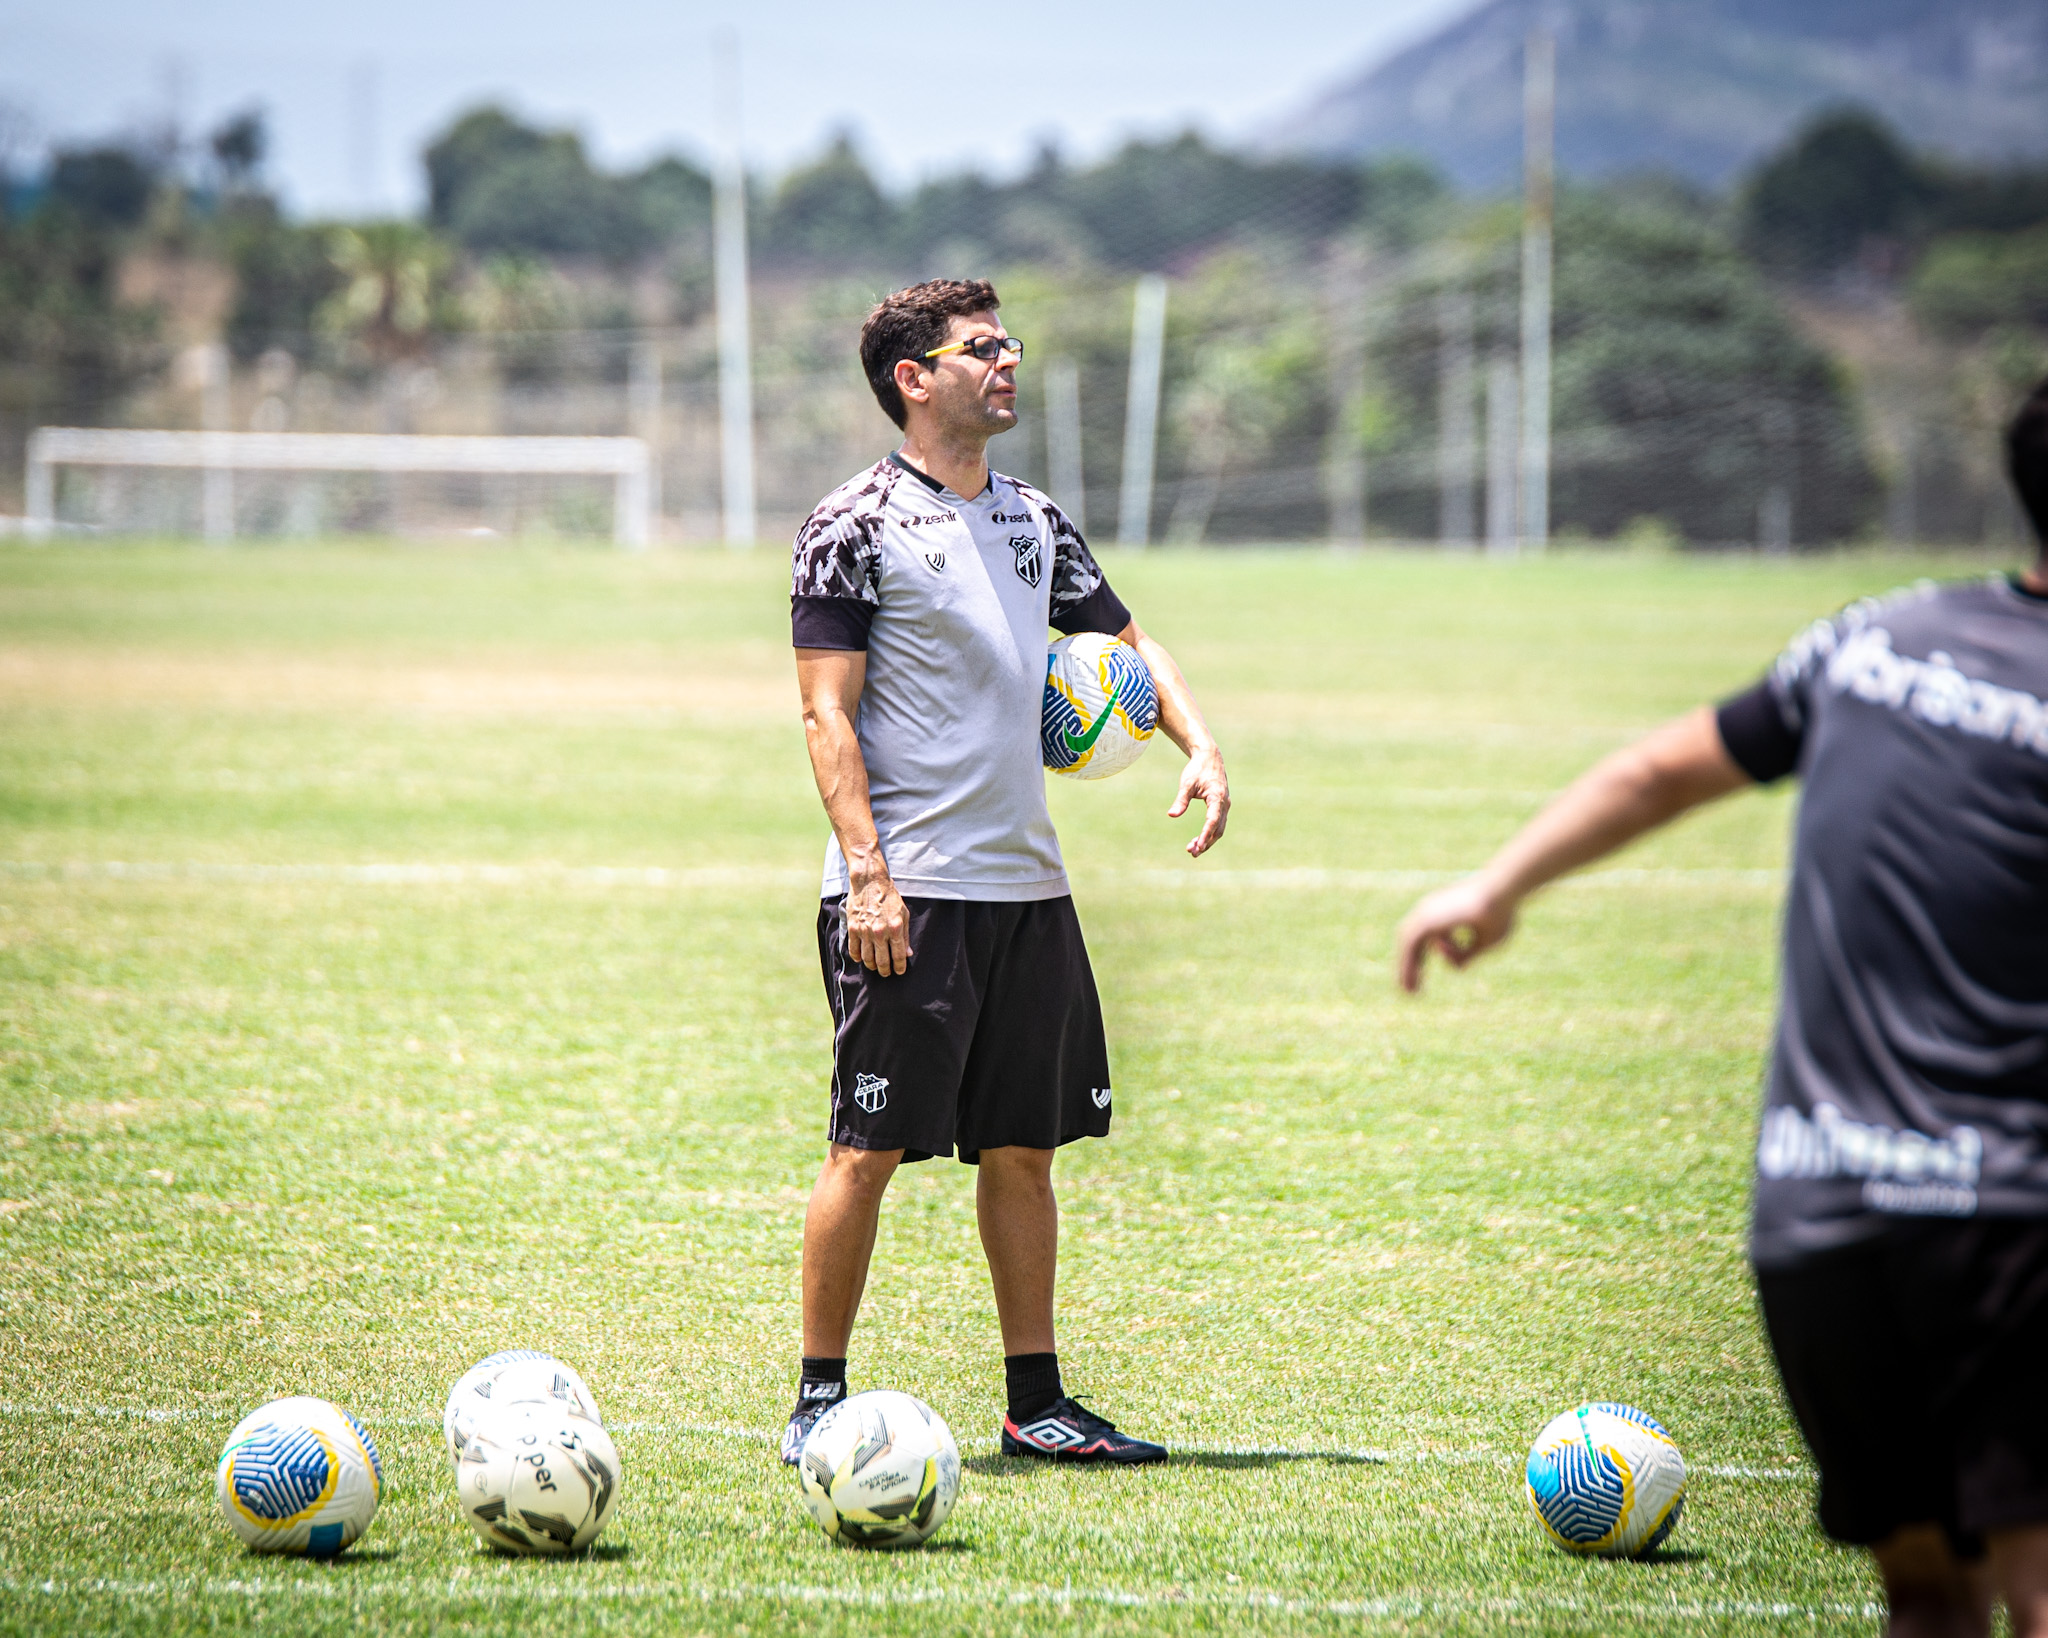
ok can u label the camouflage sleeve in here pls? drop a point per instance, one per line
(835, 556)
(1075, 573)
(1081, 596)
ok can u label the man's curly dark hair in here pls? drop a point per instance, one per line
(910, 323)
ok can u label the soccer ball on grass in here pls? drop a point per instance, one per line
(1606, 1479)
(299, 1475)
(534, 1479)
(516, 1376)
(880, 1470)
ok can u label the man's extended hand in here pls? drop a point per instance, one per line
(1458, 922)
(877, 922)
(1203, 779)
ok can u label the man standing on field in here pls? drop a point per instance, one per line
(1900, 1230)
(964, 1010)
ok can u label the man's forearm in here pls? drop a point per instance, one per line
(1180, 718)
(1621, 797)
(842, 775)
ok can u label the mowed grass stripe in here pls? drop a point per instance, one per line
(272, 1126)
(713, 877)
(1420, 1605)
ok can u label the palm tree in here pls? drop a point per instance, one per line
(392, 274)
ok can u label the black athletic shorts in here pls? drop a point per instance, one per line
(1914, 1364)
(993, 1037)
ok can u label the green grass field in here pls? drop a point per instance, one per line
(407, 953)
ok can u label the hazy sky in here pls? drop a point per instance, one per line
(353, 89)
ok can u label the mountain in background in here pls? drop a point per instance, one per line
(1702, 88)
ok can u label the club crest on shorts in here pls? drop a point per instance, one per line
(871, 1092)
(1030, 559)
(1101, 1096)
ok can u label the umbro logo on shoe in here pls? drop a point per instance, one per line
(871, 1092)
(1069, 1432)
(1050, 1433)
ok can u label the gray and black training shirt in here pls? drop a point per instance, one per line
(951, 597)
(1909, 1078)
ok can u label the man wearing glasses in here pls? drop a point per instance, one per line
(964, 1010)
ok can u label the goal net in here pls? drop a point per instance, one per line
(221, 484)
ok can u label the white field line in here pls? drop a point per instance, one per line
(727, 1430)
(415, 874)
(426, 874)
(1397, 1606)
(374, 1419)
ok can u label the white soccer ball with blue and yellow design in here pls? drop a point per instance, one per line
(299, 1476)
(1606, 1479)
(513, 1376)
(879, 1469)
(1100, 706)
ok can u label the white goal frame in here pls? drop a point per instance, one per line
(218, 456)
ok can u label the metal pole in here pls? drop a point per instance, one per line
(217, 496)
(1457, 451)
(1539, 105)
(1063, 440)
(735, 368)
(1141, 412)
(1344, 468)
(643, 398)
(632, 512)
(41, 510)
(1502, 538)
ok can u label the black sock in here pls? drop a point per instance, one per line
(1034, 1384)
(822, 1379)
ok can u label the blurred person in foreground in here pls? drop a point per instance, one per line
(1900, 1226)
(964, 1009)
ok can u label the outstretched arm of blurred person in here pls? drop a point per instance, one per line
(1203, 779)
(1679, 766)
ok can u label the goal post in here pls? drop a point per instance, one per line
(219, 455)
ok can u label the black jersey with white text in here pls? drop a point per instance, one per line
(1909, 1076)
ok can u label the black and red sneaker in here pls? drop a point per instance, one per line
(1069, 1432)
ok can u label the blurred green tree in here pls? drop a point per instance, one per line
(830, 212)
(1844, 180)
(285, 274)
(1970, 283)
(390, 288)
(1682, 388)
(105, 187)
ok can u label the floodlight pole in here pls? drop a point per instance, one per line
(40, 518)
(1063, 440)
(1539, 118)
(1456, 451)
(643, 394)
(735, 369)
(217, 483)
(1502, 389)
(1141, 412)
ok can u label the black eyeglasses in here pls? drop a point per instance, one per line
(983, 349)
